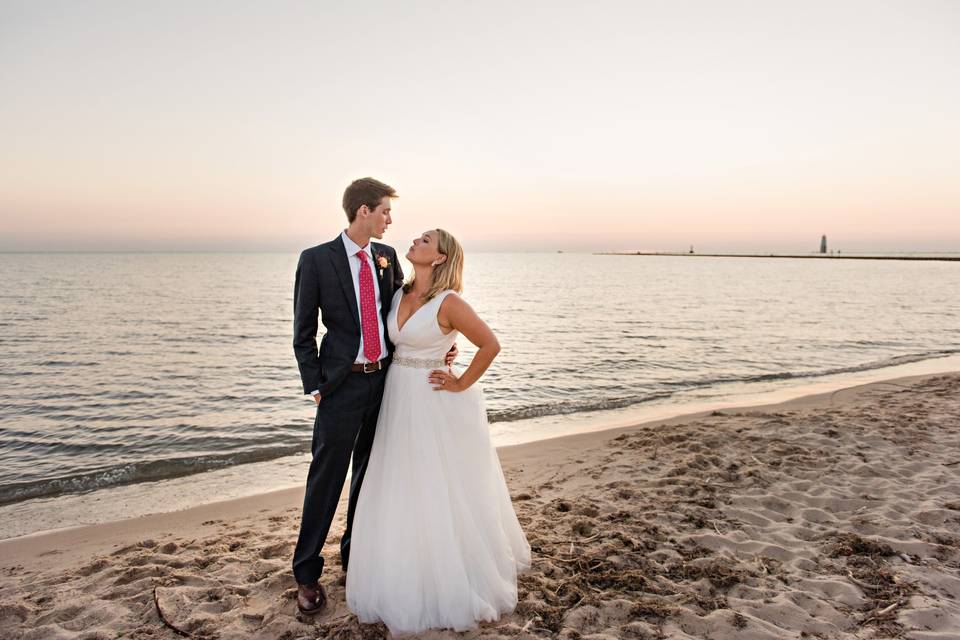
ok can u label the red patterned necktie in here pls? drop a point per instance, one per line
(368, 310)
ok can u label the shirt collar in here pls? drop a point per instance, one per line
(352, 247)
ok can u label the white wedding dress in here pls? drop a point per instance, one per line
(436, 542)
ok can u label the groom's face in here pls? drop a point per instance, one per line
(379, 219)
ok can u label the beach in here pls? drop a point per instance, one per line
(835, 515)
(704, 300)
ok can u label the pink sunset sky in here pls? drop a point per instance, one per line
(732, 126)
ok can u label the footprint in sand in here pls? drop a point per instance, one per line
(588, 510)
(275, 550)
(93, 567)
(583, 528)
(138, 573)
(12, 613)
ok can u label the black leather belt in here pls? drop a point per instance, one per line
(369, 367)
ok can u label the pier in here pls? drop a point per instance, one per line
(806, 256)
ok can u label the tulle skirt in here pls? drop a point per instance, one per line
(436, 542)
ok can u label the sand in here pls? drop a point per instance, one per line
(832, 516)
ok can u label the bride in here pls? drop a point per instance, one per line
(436, 542)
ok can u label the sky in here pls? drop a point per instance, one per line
(522, 125)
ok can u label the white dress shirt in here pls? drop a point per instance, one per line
(354, 260)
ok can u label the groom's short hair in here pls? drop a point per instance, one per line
(365, 191)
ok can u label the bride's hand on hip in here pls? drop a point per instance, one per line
(444, 381)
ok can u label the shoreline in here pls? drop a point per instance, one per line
(81, 540)
(40, 516)
(828, 515)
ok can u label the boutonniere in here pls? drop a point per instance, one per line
(383, 262)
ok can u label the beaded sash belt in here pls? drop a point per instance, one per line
(419, 363)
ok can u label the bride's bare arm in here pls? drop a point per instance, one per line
(456, 314)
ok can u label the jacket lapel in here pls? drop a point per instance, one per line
(338, 255)
(385, 281)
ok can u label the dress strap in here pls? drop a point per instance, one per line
(439, 298)
(443, 294)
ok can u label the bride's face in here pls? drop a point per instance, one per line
(424, 251)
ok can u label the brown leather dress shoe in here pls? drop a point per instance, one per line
(311, 598)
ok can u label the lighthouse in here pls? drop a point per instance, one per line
(823, 244)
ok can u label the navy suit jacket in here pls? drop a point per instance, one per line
(324, 287)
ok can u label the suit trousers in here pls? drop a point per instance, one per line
(345, 425)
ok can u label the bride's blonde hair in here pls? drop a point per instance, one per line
(449, 273)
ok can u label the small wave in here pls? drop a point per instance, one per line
(571, 406)
(134, 472)
(66, 363)
(788, 375)
(619, 402)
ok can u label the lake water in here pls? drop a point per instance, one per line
(123, 369)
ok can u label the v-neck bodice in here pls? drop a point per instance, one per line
(421, 336)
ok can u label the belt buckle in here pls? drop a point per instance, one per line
(375, 366)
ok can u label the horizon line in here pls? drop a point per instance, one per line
(578, 251)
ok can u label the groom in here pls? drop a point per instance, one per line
(350, 281)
